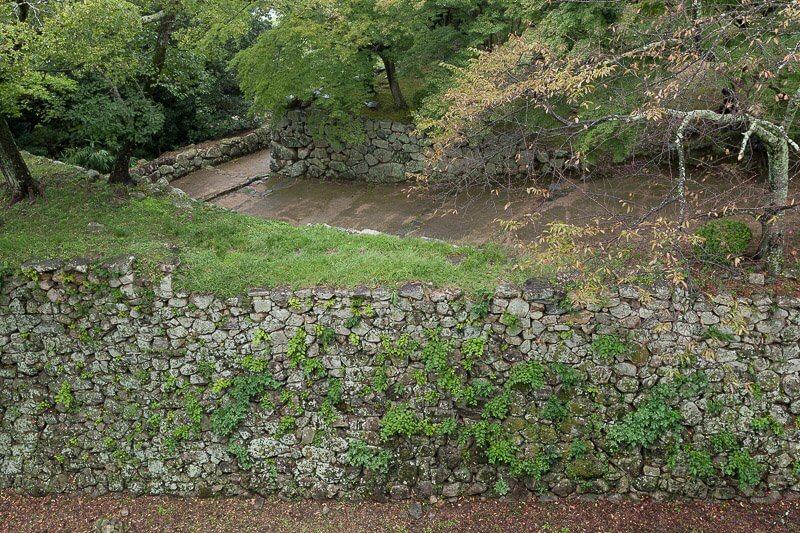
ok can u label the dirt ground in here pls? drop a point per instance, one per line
(139, 514)
(473, 216)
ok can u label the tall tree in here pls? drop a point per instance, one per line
(44, 46)
(192, 27)
(325, 52)
(665, 71)
(21, 81)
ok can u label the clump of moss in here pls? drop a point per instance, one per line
(723, 239)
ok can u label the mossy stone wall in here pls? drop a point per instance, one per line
(109, 382)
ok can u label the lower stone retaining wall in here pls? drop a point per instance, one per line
(108, 383)
(174, 165)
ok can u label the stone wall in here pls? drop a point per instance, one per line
(174, 165)
(109, 383)
(391, 152)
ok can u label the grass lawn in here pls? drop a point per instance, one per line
(223, 252)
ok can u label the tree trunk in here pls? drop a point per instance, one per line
(121, 172)
(18, 178)
(771, 248)
(394, 85)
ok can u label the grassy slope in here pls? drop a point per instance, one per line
(224, 252)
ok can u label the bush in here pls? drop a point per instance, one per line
(724, 238)
(97, 159)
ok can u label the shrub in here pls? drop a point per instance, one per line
(723, 238)
(91, 157)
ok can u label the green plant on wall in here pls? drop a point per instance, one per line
(609, 347)
(436, 352)
(286, 424)
(399, 420)
(528, 375)
(361, 455)
(326, 336)
(472, 349)
(255, 365)
(64, 396)
(767, 423)
(742, 466)
(714, 333)
(332, 398)
(242, 455)
(498, 407)
(652, 420)
(509, 320)
(261, 338)
(480, 308)
(243, 391)
(699, 463)
(297, 353)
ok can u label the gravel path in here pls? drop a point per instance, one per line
(134, 514)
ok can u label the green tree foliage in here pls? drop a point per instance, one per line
(603, 80)
(99, 76)
(326, 53)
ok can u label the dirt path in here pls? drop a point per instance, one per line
(475, 217)
(213, 182)
(69, 513)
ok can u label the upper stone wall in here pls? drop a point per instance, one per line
(108, 382)
(391, 152)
